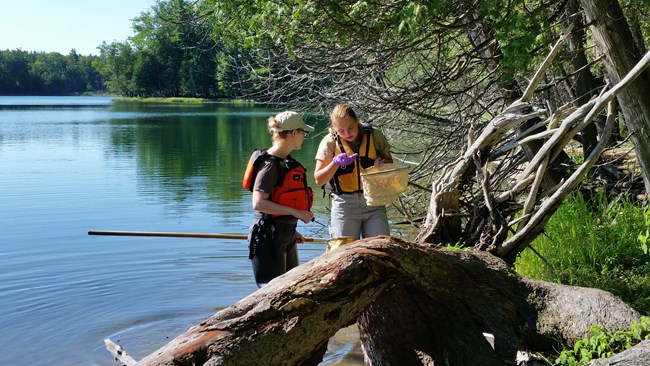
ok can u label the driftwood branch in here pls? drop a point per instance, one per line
(514, 200)
(537, 78)
(543, 212)
(119, 353)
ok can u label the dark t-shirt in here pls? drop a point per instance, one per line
(268, 177)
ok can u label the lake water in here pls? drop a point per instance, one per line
(73, 164)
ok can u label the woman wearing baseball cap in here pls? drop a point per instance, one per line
(281, 197)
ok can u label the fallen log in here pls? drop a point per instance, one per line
(635, 356)
(415, 305)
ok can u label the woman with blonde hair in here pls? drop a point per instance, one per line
(281, 197)
(342, 155)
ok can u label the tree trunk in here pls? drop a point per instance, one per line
(415, 305)
(585, 83)
(614, 41)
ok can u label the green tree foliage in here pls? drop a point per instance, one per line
(40, 73)
(117, 62)
(638, 14)
(172, 54)
(15, 77)
(432, 65)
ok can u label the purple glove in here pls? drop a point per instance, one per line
(343, 159)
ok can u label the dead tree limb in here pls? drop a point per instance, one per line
(468, 209)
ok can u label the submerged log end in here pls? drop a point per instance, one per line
(119, 353)
(190, 348)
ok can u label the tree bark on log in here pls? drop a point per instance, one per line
(635, 356)
(431, 304)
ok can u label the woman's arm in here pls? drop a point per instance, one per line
(262, 203)
(382, 146)
(385, 157)
(324, 171)
(325, 167)
(267, 178)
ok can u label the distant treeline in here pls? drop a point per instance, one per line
(41, 73)
(121, 69)
(169, 69)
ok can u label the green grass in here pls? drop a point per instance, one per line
(594, 244)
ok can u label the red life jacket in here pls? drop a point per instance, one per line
(291, 190)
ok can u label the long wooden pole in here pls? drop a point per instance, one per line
(184, 235)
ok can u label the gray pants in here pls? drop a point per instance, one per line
(351, 216)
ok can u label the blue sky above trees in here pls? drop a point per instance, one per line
(60, 26)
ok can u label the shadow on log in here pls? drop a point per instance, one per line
(415, 305)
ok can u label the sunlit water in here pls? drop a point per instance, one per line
(73, 164)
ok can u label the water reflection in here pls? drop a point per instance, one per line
(69, 165)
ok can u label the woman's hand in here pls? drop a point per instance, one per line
(343, 159)
(305, 216)
(299, 238)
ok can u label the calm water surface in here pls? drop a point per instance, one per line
(73, 164)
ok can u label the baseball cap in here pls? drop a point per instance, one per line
(289, 120)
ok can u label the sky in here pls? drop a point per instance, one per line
(61, 25)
